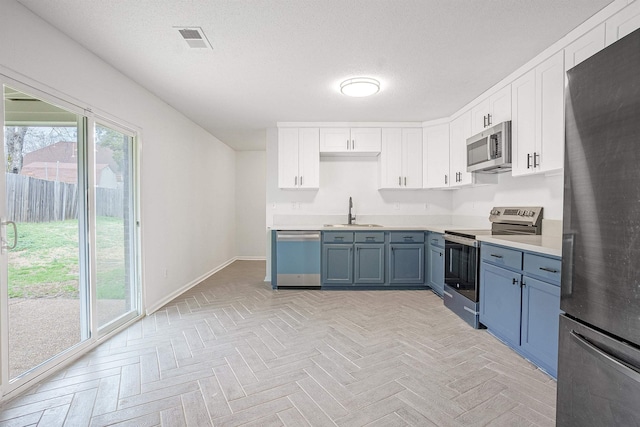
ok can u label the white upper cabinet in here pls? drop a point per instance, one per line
(459, 131)
(401, 158)
(587, 45)
(363, 141)
(435, 152)
(492, 110)
(298, 158)
(538, 118)
(623, 23)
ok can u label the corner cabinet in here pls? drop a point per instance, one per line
(435, 156)
(537, 128)
(298, 158)
(400, 159)
(460, 130)
(520, 302)
(357, 141)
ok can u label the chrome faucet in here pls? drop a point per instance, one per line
(350, 218)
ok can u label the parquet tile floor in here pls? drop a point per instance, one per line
(233, 352)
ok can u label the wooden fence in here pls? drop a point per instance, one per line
(36, 200)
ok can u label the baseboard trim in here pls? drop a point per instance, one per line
(188, 286)
(251, 258)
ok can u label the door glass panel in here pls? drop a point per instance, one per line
(46, 289)
(115, 272)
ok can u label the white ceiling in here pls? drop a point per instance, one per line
(282, 60)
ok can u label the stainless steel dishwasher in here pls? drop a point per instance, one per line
(298, 259)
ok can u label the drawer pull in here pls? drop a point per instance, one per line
(550, 270)
(338, 238)
(434, 241)
(370, 238)
(496, 256)
(408, 238)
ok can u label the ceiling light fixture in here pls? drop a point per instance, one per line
(360, 86)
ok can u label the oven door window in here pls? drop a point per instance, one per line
(461, 265)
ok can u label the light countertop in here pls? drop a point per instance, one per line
(548, 245)
(543, 244)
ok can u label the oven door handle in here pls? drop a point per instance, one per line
(461, 240)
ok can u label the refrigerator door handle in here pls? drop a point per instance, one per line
(615, 363)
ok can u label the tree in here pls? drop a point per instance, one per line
(14, 143)
(114, 140)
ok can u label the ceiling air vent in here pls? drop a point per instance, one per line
(194, 36)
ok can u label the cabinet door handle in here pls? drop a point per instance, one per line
(536, 163)
(445, 179)
(550, 270)
(405, 181)
(300, 179)
(353, 144)
(440, 253)
(484, 121)
(528, 161)
(488, 119)
(496, 256)
(399, 180)
(514, 281)
(347, 144)
(295, 181)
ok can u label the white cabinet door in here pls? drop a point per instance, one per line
(309, 158)
(390, 160)
(366, 140)
(354, 140)
(491, 111)
(523, 123)
(412, 157)
(538, 118)
(335, 140)
(288, 158)
(550, 114)
(623, 23)
(587, 45)
(460, 130)
(401, 158)
(435, 151)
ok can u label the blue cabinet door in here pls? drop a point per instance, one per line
(436, 269)
(337, 264)
(406, 263)
(369, 264)
(500, 302)
(541, 322)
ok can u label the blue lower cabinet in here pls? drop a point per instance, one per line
(520, 303)
(540, 318)
(500, 302)
(368, 264)
(337, 262)
(406, 263)
(435, 275)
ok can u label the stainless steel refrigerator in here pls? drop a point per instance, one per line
(599, 347)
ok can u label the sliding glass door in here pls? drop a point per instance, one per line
(69, 252)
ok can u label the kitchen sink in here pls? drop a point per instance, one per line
(352, 225)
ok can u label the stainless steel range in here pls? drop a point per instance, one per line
(462, 257)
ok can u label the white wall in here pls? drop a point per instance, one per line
(187, 175)
(536, 190)
(251, 170)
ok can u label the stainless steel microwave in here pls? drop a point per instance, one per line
(490, 150)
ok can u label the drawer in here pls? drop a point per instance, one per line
(498, 255)
(436, 239)
(369, 236)
(406, 237)
(337, 237)
(542, 266)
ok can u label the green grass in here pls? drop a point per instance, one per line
(45, 261)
